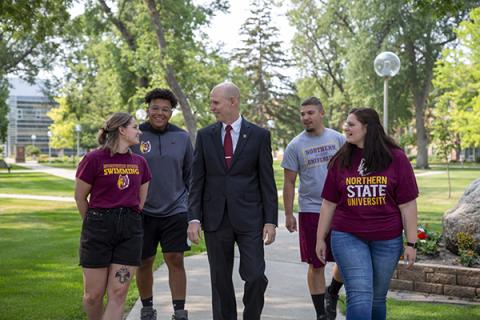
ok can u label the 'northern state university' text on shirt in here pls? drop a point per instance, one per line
(367, 203)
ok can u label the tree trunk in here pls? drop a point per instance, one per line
(449, 180)
(422, 140)
(188, 115)
(420, 90)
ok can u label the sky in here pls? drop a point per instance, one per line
(224, 27)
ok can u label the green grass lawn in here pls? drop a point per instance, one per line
(433, 200)
(35, 183)
(407, 310)
(39, 260)
(13, 168)
(19, 167)
(40, 277)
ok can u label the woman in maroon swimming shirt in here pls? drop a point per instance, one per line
(112, 232)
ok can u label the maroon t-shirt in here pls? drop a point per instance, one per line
(115, 180)
(367, 203)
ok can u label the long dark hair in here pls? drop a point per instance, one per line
(376, 149)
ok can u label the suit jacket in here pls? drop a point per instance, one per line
(246, 191)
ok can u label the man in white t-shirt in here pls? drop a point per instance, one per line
(307, 155)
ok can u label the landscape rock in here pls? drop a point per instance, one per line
(464, 217)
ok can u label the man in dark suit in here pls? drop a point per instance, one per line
(234, 197)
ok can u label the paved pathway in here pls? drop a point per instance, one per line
(429, 173)
(287, 295)
(35, 167)
(59, 172)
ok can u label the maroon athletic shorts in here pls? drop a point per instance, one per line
(308, 222)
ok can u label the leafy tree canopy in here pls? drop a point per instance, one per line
(457, 78)
(29, 40)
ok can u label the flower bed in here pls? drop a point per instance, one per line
(437, 270)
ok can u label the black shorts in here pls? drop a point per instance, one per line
(170, 232)
(111, 236)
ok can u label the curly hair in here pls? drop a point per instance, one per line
(164, 94)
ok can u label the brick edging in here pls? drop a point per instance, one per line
(453, 281)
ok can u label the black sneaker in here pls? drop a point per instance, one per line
(322, 317)
(180, 315)
(330, 305)
(148, 313)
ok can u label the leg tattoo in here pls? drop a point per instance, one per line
(123, 275)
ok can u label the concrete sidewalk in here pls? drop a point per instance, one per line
(287, 295)
(59, 172)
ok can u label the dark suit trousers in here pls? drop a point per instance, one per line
(220, 248)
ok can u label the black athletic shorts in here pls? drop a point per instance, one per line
(170, 232)
(111, 236)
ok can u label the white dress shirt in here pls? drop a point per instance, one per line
(235, 132)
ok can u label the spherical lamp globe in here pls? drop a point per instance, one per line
(386, 64)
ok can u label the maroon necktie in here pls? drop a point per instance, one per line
(228, 146)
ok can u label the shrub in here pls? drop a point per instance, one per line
(468, 257)
(42, 158)
(57, 159)
(466, 249)
(427, 241)
(429, 246)
(32, 151)
(465, 241)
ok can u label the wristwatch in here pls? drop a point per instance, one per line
(412, 244)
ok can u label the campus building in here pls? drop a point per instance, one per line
(27, 119)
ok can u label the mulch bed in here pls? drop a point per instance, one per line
(444, 257)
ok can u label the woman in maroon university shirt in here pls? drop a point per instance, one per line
(112, 232)
(369, 198)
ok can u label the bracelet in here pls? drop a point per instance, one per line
(412, 244)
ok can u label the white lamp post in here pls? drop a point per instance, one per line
(49, 134)
(34, 137)
(78, 129)
(386, 65)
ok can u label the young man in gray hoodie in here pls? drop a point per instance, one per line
(168, 151)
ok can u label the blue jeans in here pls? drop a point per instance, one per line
(366, 267)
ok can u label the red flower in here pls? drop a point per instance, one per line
(421, 233)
